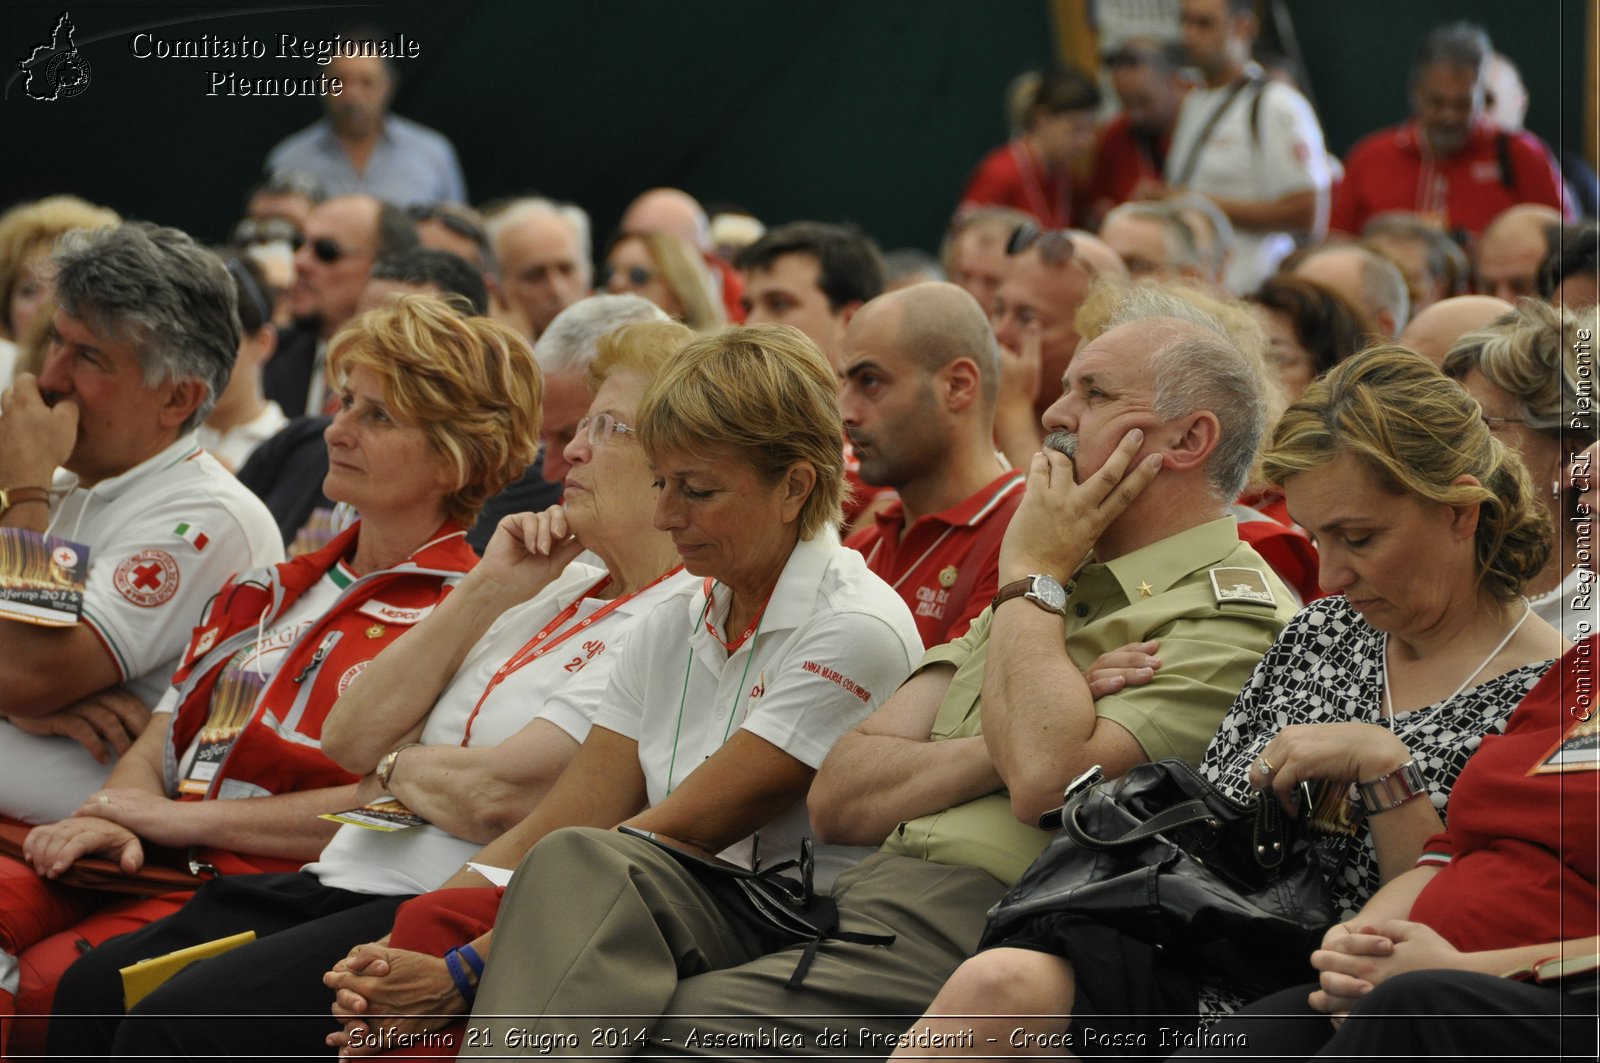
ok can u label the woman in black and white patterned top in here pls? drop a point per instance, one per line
(1428, 529)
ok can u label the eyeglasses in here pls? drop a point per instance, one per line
(328, 250)
(267, 230)
(600, 427)
(1054, 245)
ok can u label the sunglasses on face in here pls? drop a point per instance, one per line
(633, 276)
(1054, 245)
(328, 250)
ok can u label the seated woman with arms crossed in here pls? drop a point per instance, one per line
(715, 721)
(469, 721)
(1428, 530)
(438, 413)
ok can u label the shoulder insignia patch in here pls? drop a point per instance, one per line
(1241, 585)
(148, 578)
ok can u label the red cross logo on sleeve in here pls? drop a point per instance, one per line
(148, 578)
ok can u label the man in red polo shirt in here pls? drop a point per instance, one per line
(1448, 163)
(920, 370)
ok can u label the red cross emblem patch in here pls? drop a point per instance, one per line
(148, 578)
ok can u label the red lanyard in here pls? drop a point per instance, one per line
(755, 622)
(535, 647)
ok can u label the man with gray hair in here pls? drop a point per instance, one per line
(544, 254)
(1150, 443)
(1366, 279)
(1448, 164)
(564, 352)
(142, 344)
(920, 370)
(1153, 240)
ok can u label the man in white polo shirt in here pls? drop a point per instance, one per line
(143, 342)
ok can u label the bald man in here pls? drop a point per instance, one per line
(1364, 277)
(1506, 260)
(920, 371)
(1434, 331)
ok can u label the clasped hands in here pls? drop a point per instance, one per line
(1355, 959)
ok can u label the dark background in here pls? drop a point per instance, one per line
(871, 110)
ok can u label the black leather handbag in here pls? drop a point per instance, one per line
(1230, 892)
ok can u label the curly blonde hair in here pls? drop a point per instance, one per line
(1416, 431)
(29, 231)
(469, 383)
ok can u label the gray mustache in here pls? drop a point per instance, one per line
(1062, 442)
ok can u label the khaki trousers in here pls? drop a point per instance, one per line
(606, 947)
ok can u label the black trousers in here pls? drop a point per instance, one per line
(263, 1000)
(1420, 1015)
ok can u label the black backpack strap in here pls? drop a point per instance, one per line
(1502, 152)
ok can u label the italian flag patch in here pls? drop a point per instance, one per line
(192, 535)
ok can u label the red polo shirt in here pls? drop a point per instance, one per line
(947, 566)
(1390, 170)
(1122, 159)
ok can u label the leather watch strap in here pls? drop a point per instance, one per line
(16, 496)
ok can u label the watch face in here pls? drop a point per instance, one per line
(1048, 591)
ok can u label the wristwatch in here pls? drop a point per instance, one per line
(386, 765)
(1044, 591)
(1388, 792)
(16, 496)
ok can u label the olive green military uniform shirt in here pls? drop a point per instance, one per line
(1211, 601)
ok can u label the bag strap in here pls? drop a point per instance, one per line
(1193, 158)
(1179, 815)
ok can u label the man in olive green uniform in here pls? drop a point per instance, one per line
(1153, 437)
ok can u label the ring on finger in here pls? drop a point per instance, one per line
(1266, 768)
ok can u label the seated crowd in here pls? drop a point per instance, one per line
(509, 660)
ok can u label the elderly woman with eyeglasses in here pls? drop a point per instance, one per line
(460, 728)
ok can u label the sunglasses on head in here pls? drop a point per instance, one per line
(1054, 245)
(462, 227)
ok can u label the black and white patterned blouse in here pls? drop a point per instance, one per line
(1327, 667)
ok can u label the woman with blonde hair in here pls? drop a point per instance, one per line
(665, 270)
(1370, 701)
(437, 413)
(28, 233)
(1525, 368)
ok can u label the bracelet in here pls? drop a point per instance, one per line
(1390, 791)
(11, 497)
(385, 768)
(452, 963)
(470, 954)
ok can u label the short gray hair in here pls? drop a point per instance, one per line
(155, 287)
(568, 344)
(520, 210)
(1383, 286)
(1202, 368)
(1221, 228)
(1182, 248)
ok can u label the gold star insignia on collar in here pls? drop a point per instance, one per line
(1145, 590)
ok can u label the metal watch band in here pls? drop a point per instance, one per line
(1389, 792)
(386, 765)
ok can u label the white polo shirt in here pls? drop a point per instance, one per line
(834, 642)
(563, 687)
(1235, 163)
(148, 584)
